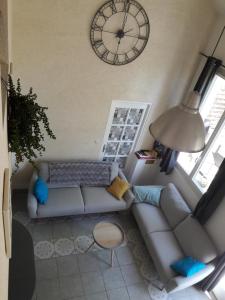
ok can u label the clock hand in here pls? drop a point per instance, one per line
(116, 56)
(136, 36)
(125, 17)
(118, 45)
(128, 30)
(124, 21)
(108, 31)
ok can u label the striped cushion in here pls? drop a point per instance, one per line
(83, 173)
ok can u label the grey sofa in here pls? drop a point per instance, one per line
(73, 193)
(171, 233)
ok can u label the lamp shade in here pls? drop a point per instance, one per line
(181, 128)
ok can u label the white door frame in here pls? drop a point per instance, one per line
(126, 104)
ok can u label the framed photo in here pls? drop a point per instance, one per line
(4, 81)
(7, 213)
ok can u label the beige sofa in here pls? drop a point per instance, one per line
(171, 233)
(72, 198)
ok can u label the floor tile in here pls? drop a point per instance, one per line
(195, 293)
(124, 256)
(98, 281)
(71, 286)
(88, 262)
(46, 269)
(119, 294)
(188, 293)
(98, 296)
(48, 289)
(157, 294)
(104, 259)
(34, 297)
(92, 282)
(131, 274)
(61, 230)
(67, 265)
(113, 278)
(77, 298)
(138, 291)
(82, 227)
(42, 232)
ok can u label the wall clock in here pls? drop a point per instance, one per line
(119, 31)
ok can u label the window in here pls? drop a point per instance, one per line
(201, 167)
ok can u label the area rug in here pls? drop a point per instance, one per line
(46, 249)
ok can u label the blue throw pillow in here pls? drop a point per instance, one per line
(41, 191)
(148, 194)
(188, 266)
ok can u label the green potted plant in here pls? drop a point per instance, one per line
(26, 122)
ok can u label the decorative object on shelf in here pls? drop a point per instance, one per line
(119, 31)
(24, 117)
(181, 128)
(4, 69)
(168, 157)
(150, 155)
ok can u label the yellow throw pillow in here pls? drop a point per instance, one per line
(118, 187)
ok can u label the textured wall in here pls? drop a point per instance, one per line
(52, 53)
(4, 161)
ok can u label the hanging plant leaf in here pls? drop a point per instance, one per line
(26, 120)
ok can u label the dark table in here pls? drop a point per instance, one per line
(21, 265)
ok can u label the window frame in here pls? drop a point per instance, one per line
(200, 161)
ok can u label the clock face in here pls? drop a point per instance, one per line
(119, 31)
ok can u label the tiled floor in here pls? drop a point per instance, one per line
(80, 276)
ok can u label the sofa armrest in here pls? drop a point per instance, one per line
(128, 196)
(180, 282)
(31, 199)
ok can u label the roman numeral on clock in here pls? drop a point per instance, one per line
(98, 43)
(142, 38)
(144, 24)
(113, 7)
(135, 50)
(116, 59)
(126, 57)
(105, 54)
(103, 15)
(97, 28)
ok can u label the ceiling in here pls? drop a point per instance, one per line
(220, 6)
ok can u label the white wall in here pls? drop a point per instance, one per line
(4, 159)
(52, 53)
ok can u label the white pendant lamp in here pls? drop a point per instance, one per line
(181, 128)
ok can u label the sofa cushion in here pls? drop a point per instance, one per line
(86, 173)
(118, 187)
(188, 266)
(114, 170)
(41, 191)
(165, 250)
(43, 171)
(62, 202)
(149, 218)
(194, 240)
(173, 205)
(97, 199)
(147, 193)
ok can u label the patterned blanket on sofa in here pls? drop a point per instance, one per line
(86, 173)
